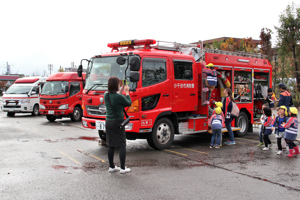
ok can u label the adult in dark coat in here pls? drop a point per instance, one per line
(116, 137)
(285, 97)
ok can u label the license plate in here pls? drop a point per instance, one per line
(51, 112)
(11, 110)
(100, 125)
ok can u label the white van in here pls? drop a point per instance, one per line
(23, 96)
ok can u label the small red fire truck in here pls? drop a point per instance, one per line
(167, 88)
(62, 96)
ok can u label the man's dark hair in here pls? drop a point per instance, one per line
(270, 90)
(267, 111)
(113, 84)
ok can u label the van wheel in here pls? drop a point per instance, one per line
(35, 111)
(10, 114)
(162, 135)
(242, 122)
(51, 118)
(77, 114)
(102, 135)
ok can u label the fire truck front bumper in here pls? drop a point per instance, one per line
(99, 124)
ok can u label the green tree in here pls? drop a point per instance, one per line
(289, 35)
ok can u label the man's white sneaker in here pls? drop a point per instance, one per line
(279, 153)
(266, 149)
(112, 170)
(123, 171)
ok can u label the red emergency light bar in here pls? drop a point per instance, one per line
(26, 80)
(131, 43)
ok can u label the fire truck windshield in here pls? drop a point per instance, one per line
(101, 69)
(55, 87)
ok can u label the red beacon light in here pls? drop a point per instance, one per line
(131, 43)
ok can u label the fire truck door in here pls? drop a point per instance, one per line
(155, 92)
(74, 94)
(184, 86)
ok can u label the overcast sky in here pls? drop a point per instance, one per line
(35, 33)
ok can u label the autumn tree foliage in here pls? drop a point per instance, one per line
(246, 45)
(265, 43)
(289, 36)
(61, 69)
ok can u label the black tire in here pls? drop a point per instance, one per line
(10, 114)
(102, 135)
(51, 118)
(162, 135)
(242, 122)
(76, 115)
(35, 111)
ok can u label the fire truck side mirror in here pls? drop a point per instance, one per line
(66, 89)
(121, 60)
(134, 77)
(79, 71)
(135, 64)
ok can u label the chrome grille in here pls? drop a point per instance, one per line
(96, 110)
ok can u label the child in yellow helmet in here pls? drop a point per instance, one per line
(211, 80)
(277, 126)
(216, 122)
(291, 131)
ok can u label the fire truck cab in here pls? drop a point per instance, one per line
(62, 96)
(166, 88)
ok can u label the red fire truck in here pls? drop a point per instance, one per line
(167, 91)
(62, 96)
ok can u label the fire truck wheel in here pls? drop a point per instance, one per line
(162, 135)
(35, 111)
(10, 114)
(77, 114)
(51, 118)
(102, 135)
(242, 122)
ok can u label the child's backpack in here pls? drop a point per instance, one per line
(235, 110)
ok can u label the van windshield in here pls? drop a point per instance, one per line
(101, 69)
(18, 89)
(55, 87)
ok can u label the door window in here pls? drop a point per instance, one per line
(154, 71)
(183, 70)
(74, 88)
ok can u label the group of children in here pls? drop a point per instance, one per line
(284, 125)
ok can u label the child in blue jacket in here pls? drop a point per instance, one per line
(217, 122)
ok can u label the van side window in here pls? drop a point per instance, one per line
(36, 89)
(74, 88)
(183, 70)
(154, 71)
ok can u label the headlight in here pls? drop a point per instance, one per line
(62, 107)
(42, 106)
(84, 123)
(24, 101)
(129, 126)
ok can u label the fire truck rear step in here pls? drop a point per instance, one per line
(224, 130)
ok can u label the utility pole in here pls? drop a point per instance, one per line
(50, 67)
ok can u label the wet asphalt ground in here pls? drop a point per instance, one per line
(62, 160)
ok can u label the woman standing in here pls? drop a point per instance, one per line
(227, 107)
(116, 137)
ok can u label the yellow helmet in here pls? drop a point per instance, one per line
(219, 104)
(218, 110)
(294, 110)
(285, 113)
(210, 65)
